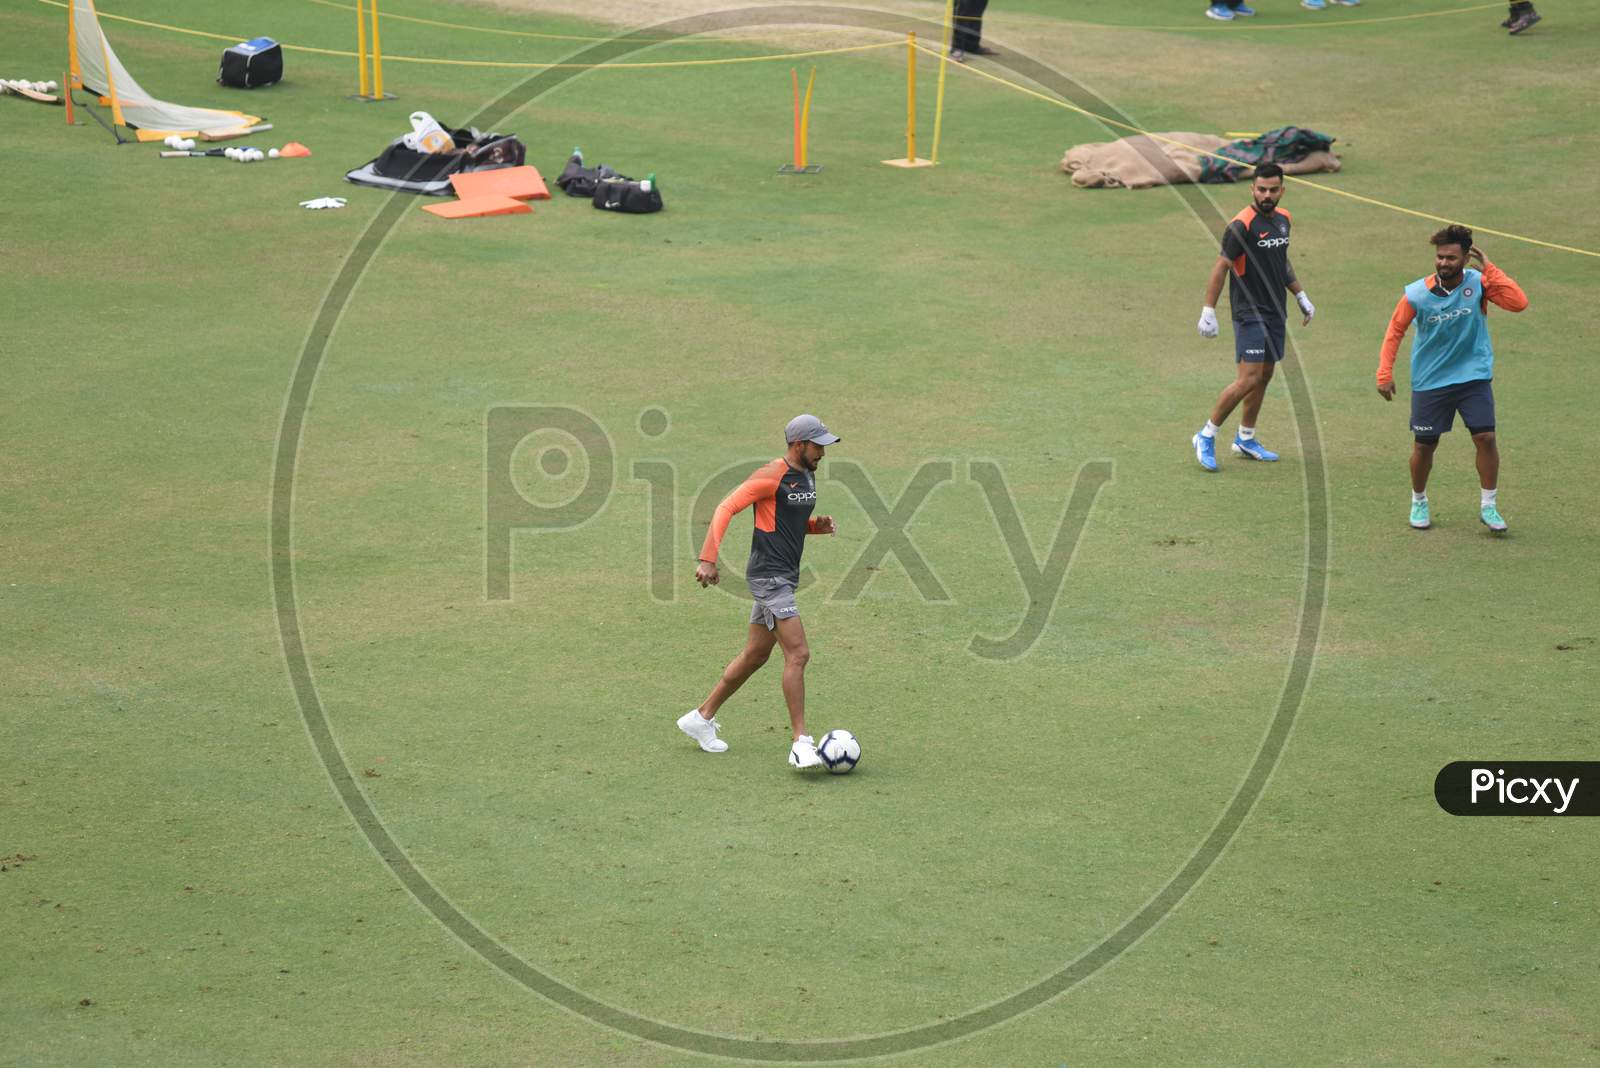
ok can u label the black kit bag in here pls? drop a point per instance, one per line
(627, 196)
(405, 168)
(251, 64)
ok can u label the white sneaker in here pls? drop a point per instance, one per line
(703, 731)
(803, 753)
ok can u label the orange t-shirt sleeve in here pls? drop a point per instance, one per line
(1501, 290)
(763, 482)
(1399, 322)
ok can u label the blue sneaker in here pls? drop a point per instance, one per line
(1313, 5)
(1253, 450)
(1220, 12)
(1491, 518)
(1419, 515)
(1244, 11)
(1205, 450)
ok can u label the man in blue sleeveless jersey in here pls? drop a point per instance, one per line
(1452, 362)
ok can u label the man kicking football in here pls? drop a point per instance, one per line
(1255, 259)
(1452, 362)
(784, 492)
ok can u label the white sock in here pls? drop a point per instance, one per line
(1209, 430)
(1247, 433)
(1488, 497)
(1418, 498)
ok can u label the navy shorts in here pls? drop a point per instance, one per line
(1433, 411)
(1257, 340)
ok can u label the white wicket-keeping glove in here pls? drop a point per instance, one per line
(1306, 307)
(1208, 322)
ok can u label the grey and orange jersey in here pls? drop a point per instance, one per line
(783, 497)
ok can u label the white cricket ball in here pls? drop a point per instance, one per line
(51, 86)
(273, 153)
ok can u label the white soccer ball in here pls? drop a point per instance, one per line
(839, 751)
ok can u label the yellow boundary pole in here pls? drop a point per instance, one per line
(911, 159)
(911, 97)
(944, 62)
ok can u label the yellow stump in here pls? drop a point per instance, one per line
(369, 64)
(377, 57)
(363, 88)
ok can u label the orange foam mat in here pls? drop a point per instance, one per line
(475, 207)
(523, 183)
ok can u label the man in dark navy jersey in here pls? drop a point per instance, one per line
(1255, 260)
(784, 492)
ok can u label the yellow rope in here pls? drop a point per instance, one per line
(1056, 101)
(390, 17)
(508, 65)
(636, 66)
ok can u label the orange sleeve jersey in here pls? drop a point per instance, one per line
(1498, 289)
(783, 498)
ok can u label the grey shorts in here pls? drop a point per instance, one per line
(774, 601)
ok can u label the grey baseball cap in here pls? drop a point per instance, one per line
(808, 428)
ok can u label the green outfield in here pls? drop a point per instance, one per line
(458, 809)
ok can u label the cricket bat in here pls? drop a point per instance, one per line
(204, 152)
(31, 94)
(230, 134)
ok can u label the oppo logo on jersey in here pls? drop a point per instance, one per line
(803, 496)
(1445, 317)
(1272, 242)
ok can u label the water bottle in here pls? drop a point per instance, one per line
(649, 182)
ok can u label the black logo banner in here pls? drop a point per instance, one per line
(1519, 788)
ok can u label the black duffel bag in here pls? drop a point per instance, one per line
(625, 195)
(251, 64)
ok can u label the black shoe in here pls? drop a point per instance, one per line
(1524, 21)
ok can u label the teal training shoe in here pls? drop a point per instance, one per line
(1491, 518)
(1419, 515)
(1253, 450)
(1205, 450)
